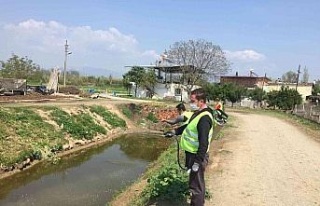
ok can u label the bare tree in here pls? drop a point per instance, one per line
(290, 77)
(305, 77)
(199, 60)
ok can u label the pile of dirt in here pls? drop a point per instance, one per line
(150, 116)
(69, 90)
(168, 113)
(159, 112)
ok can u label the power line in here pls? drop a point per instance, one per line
(66, 53)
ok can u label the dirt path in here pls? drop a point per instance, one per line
(266, 161)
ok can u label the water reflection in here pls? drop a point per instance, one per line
(89, 177)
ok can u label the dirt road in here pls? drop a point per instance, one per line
(266, 161)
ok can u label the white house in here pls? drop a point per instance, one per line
(168, 83)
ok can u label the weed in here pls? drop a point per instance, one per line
(79, 126)
(107, 116)
(151, 117)
(167, 182)
(127, 112)
(21, 129)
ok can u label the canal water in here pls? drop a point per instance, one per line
(89, 177)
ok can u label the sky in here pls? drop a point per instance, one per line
(269, 37)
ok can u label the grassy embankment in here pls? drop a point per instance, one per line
(35, 133)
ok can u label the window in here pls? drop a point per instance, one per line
(177, 92)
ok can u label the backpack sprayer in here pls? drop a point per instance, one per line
(219, 117)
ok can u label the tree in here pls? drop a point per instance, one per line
(126, 82)
(212, 90)
(149, 81)
(136, 75)
(316, 88)
(19, 67)
(288, 98)
(234, 93)
(285, 99)
(199, 60)
(271, 98)
(305, 77)
(257, 95)
(290, 77)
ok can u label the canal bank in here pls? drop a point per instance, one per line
(29, 134)
(87, 177)
(142, 119)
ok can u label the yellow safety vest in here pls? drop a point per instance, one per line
(188, 115)
(189, 138)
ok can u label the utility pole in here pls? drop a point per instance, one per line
(66, 53)
(298, 77)
(297, 81)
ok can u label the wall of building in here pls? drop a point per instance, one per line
(244, 81)
(165, 91)
(304, 90)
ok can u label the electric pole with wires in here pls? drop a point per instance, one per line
(297, 81)
(66, 53)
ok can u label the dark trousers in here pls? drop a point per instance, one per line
(196, 180)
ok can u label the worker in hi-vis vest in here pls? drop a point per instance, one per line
(195, 141)
(183, 116)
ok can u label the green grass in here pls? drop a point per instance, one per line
(26, 134)
(167, 182)
(78, 126)
(127, 112)
(23, 134)
(109, 117)
(151, 117)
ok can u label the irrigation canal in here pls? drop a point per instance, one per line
(89, 177)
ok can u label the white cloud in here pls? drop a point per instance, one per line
(245, 55)
(52, 35)
(44, 43)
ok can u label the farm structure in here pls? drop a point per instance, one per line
(169, 83)
(11, 86)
